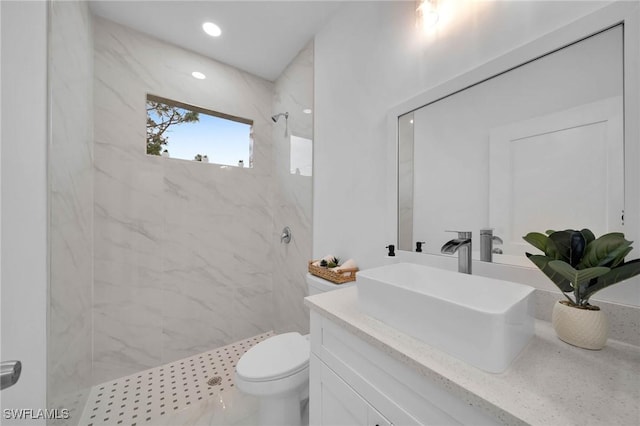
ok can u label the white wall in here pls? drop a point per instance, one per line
(370, 58)
(24, 201)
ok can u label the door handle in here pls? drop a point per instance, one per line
(9, 373)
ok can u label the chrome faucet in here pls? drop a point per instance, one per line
(462, 245)
(487, 239)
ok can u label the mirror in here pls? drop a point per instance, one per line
(539, 146)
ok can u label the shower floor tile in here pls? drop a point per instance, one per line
(190, 391)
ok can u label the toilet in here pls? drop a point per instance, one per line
(276, 370)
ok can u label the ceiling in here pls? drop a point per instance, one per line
(260, 37)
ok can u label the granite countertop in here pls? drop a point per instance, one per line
(549, 383)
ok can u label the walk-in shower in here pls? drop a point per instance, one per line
(155, 260)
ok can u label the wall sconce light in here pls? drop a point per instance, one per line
(426, 14)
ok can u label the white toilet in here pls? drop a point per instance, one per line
(276, 370)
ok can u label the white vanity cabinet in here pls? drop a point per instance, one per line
(341, 405)
(354, 383)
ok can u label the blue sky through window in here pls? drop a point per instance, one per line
(223, 141)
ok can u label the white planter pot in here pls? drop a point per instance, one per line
(584, 328)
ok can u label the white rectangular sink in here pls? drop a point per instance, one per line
(482, 321)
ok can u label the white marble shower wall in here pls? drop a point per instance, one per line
(293, 93)
(70, 165)
(183, 250)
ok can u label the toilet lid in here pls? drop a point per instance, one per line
(275, 358)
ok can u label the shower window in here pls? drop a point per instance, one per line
(187, 132)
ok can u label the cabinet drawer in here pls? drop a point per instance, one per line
(393, 388)
(341, 405)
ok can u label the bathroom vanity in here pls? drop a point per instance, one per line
(365, 372)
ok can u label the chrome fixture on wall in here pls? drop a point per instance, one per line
(276, 117)
(285, 236)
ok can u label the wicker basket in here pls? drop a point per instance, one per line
(337, 276)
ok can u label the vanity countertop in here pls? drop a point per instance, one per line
(549, 383)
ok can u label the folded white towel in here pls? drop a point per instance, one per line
(349, 264)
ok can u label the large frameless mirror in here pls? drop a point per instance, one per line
(536, 147)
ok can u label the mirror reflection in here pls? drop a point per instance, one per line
(537, 147)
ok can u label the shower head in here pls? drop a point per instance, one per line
(276, 117)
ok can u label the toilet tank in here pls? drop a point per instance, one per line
(318, 285)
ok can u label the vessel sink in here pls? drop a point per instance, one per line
(482, 321)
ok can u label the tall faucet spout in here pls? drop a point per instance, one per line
(461, 245)
(452, 246)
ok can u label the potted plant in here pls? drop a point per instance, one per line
(581, 265)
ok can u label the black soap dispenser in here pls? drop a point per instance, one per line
(392, 250)
(419, 246)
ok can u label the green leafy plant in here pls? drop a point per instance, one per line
(581, 264)
(330, 263)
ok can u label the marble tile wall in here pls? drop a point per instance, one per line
(183, 250)
(293, 92)
(70, 204)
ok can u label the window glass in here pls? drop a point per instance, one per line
(187, 132)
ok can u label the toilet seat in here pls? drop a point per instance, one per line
(275, 358)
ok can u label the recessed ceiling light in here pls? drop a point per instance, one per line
(307, 111)
(198, 75)
(212, 29)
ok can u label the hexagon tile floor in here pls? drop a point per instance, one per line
(154, 396)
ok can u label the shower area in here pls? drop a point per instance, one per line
(160, 265)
